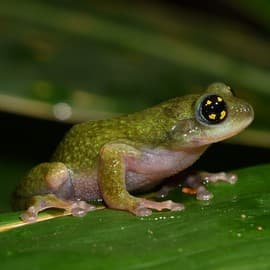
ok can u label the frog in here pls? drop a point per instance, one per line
(112, 160)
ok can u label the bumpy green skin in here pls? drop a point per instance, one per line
(151, 127)
(90, 161)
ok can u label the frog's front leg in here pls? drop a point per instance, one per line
(112, 182)
(194, 183)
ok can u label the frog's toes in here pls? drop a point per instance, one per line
(203, 194)
(30, 215)
(142, 211)
(81, 208)
(144, 207)
(177, 207)
(231, 178)
(221, 176)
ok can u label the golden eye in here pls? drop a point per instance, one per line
(219, 99)
(212, 116)
(212, 109)
(223, 114)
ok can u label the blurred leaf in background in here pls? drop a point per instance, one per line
(100, 58)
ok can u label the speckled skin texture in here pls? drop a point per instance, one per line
(108, 159)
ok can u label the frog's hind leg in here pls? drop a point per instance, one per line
(48, 185)
(39, 203)
(113, 186)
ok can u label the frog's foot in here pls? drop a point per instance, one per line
(194, 183)
(144, 206)
(41, 202)
(220, 176)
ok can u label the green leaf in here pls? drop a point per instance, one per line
(229, 232)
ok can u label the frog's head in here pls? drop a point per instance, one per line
(214, 116)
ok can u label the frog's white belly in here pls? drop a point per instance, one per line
(156, 164)
(141, 173)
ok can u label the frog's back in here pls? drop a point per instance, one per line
(80, 146)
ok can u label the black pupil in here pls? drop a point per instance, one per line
(213, 109)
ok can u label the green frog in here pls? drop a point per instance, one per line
(113, 159)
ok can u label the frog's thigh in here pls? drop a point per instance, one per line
(112, 184)
(41, 202)
(43, 178)
(49, 185)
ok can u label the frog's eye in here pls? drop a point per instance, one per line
(212, 110)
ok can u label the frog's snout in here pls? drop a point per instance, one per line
(245, 112)
(245, 108)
